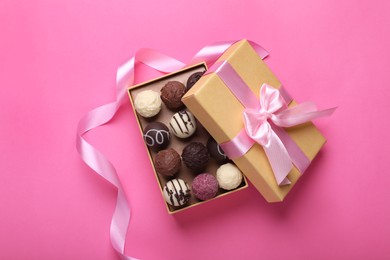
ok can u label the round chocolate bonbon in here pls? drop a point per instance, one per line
(172, 93)
(167, 162)
(183, 124)
(205, 186)
(147, 103)
(156, 135)
(216, 151)
(195, 156)
(229, 176)
(193, 79)
(176, 192)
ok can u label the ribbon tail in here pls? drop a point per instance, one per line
(279, 159)
(298, 157)
(300, 114)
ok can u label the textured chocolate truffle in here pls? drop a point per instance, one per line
(176, 192)
(193, 79)
(147, 103)
(216, 151)
(205, 186)
(195, 156)
(172, 93)
(183, 124)
(229, 176)
(167, 162)
(156, 135)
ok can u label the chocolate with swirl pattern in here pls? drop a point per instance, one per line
(156, 135)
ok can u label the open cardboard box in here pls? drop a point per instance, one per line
(164, 116)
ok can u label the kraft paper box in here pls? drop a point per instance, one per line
(220, 113)
(164, 116)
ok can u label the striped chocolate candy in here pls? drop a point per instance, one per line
(183, 124)
(176, 192)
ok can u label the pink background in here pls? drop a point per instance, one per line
(58, 60)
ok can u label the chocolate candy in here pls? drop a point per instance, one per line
(156, 135)
(147, 103)
(172, 93)
(195, 156)
(216, 151)
(205, 186)
(183, 124)
(193, 79)
(229, 176)
(176, 192)
(167, 162)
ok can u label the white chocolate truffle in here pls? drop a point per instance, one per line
(229, 176)
(183, 124)
(176, 192)
(148, 103)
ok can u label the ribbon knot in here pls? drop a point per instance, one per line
(273, 112)
(256, 120)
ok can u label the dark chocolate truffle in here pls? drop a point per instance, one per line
(205, 186)
(195, 156)
(156, 135)
(167, 162)
(172, 93)
(176, 192)
(216, 151)
(193, 79)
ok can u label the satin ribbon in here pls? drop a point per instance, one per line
(263, 119)
(103, 114)
(273, 108)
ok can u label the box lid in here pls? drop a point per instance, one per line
(219, 111)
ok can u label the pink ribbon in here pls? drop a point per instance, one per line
(263, 120)
(274, 108)
(103, 114)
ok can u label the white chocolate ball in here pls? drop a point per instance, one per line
(148, 103)
(229, 176)
(183, 124)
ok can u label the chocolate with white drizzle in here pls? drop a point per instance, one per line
(156, 135)
(216, 151)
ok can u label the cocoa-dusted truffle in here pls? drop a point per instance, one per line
(156, 135)
(205, 186)
(172, 93)
(195, 156)
(216, 151)
(193, 79)
(176, 192)
(167, 162)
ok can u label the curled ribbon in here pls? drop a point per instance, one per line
(274, 108)
(103, 114)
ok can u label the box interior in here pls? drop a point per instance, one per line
(201, 135)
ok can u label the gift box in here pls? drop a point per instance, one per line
(164, 116)
(220, 111)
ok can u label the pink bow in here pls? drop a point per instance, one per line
(273, 108)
